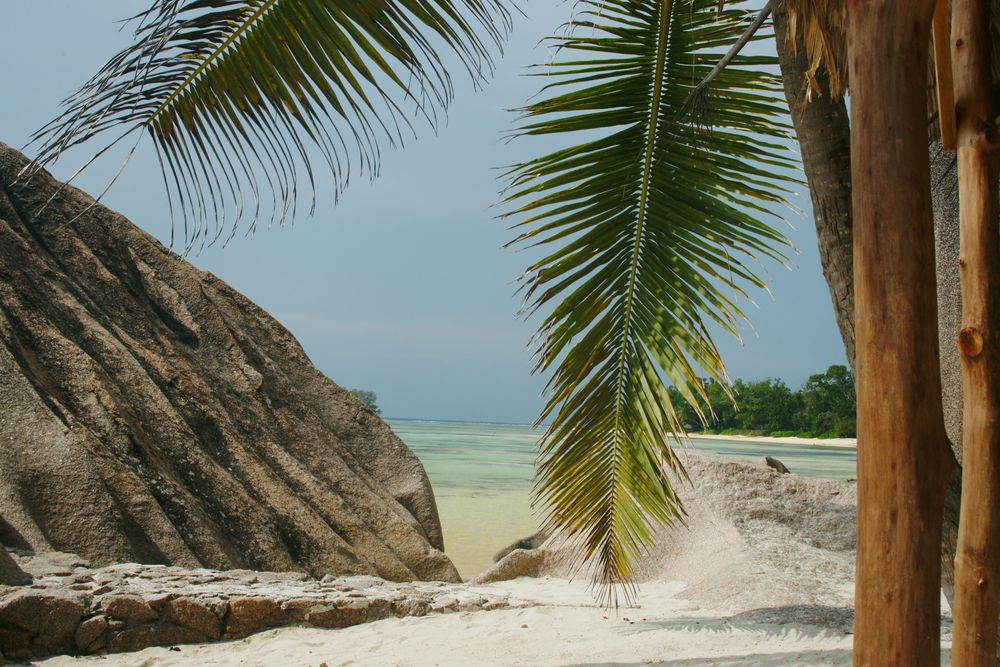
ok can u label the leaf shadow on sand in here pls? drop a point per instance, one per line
(833, 656)
(802, 620)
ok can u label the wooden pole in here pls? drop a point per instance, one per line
(903, 457)
(943, 74)
(977, 563)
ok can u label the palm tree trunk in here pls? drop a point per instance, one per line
(977, 565)
(903, 457)
(824, 134)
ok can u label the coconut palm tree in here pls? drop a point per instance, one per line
(241, 97)
(653, 226)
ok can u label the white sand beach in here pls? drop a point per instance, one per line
(764, 439)
(566, 629)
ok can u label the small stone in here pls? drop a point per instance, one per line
(50, 613)
(248, 615)
(89, 631)
(410, 607)
(775, 464)
(48, 645)
(296, 610)
(379, 609)
(129, 608)
(338, 617)
(191, 613)
(445, 606)
(15, 644)
(282, 577)
(160, 634)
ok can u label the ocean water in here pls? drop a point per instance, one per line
(483, 475)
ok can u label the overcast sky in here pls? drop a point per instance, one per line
(403, 287)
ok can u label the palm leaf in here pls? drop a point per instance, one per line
(242, 94)
(651, 227)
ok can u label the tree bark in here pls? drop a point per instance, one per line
(977, 564)
(824, 134)
(903, 457)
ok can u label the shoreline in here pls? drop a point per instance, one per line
(844, 443)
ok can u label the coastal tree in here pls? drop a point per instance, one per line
(829, 400)
(369, 398)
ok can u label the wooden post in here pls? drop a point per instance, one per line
(977, 563)
(943, 74)
(903, 457)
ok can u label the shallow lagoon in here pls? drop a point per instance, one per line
(483, 475)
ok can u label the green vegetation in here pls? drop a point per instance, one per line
(825, 407)
(369, 398)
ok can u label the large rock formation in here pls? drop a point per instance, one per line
(153, 414)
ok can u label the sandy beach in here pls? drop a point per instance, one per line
(566, 629)
(764, 440)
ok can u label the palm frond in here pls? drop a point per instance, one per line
(237, 94)
(651, 228)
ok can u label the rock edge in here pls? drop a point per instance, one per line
(74, 609)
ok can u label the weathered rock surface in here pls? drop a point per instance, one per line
(153, 414)
(128, 607)
(527, 543)
(744, 520)
(775, 464)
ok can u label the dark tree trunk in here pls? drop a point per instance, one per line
(824, 134)
(904, 462)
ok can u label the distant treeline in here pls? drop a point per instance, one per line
(825, 407)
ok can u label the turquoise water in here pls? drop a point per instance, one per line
(483, 475)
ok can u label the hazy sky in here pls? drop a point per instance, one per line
(403, 287)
